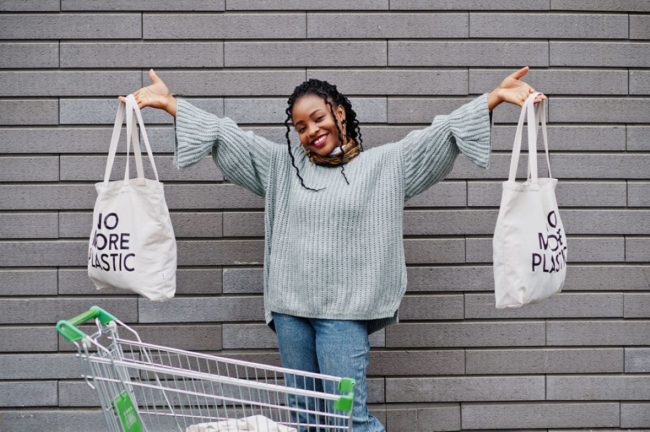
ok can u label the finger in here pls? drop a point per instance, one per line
(521, 72)
(152, 76)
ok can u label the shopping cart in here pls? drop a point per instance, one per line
(146, 387)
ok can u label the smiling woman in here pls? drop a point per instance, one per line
(334, 265)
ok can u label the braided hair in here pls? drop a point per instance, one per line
(327, 91)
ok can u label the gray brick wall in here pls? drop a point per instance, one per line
(579, 361)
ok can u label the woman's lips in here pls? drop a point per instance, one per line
(320, 142)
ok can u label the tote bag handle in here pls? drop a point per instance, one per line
(132, 111)
(534, 113)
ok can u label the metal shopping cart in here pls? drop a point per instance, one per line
(147, 387)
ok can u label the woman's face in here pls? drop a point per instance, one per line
(314, 124)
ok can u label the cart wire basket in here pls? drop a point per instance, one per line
(147, 387)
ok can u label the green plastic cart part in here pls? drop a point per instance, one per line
(68, 328)
(344, 403)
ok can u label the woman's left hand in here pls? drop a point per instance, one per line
(516, 92)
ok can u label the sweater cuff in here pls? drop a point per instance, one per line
(195, 133)
(471, 127)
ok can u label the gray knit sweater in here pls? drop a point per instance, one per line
(337, 253)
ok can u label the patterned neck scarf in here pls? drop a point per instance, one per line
(350, 150)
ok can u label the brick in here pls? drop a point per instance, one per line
(597, 110)
(449, 222)
(232, 83)
(77, 394)
(28, 282)
(185, 224)
(637, 138)
(540, 415)
(202, 309)
(239, 336)
(468, 389)
(78, 139)
(82, 197)
(25, 112)
(606, 5)
(224, 26)
(142, 54)
(443, 194)
(454, 278)
(440, 418)
(416, 362)
(50, 310)
(425, 251)
(443, 5)
(394, 82)
(638, 194)
(639, 25)
(557, 26)
(600, 54)
(581, 249)
(637, 360)
(637, 305)
(188, 281)
(465, 334)
(637, 249)
(237, 224)
(43, 253)
(597, 387)
(307, 5)
(39, 366)
(387, 25)
(635, 415)
(52, 420)
(547, 361)
(600, 333)
(220, 252)
(639, 82)
(28, 225)
(607, 278)
(424, 110)
(82, 168)
(431, 307)
(30, 5)
(19, 168)
(243, 280)
(28, 393)
(68, 83)
(70, 26)
(29, 55)
(568, 193)
(306, 54)
(560, 305)
(468, 53)
(23, 339)
(103, 111)
(550, 82)
(143, 5)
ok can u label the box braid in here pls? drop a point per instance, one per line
(326, 91)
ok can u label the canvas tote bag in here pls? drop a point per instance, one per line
(132, 244)
(529, 244)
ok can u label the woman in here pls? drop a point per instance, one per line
(334, 267)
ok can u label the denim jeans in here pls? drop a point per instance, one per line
(331, 347)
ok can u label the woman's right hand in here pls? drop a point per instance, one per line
(156, 95)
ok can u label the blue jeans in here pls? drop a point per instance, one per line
(330, 347)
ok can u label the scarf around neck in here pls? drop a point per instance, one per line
(350, 150)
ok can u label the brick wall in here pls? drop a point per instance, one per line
(578, 361)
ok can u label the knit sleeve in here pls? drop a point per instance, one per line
(428, 154)
(243, 156)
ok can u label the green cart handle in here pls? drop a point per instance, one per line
(68, 328)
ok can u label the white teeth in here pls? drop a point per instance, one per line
(320, 140)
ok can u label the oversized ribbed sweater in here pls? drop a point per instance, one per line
(337, 253)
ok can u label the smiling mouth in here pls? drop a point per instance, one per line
(320, 141)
